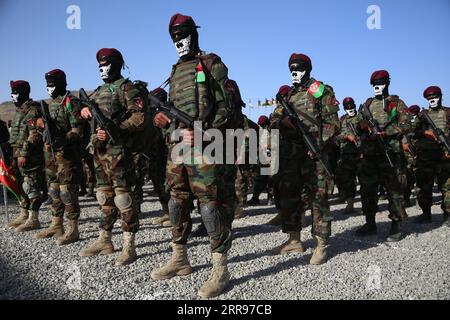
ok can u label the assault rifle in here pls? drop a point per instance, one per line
(50, 129)
(353, 130)
(442, 139)
(376, 130)
(104, 123)
(300, 127)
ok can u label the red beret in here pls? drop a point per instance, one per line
(379, 75)
(262, 120)
(180, 20)
(284, 90)
(414, 109)
(20, 85)
(432, 91)
(298, 57)
(56, 74)
(109, 53)
(348, 101)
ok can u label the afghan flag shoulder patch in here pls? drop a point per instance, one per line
(68, 104)
(316, 89)
(392, 111)
(201, 78)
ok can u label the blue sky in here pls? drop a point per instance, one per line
(254, 39)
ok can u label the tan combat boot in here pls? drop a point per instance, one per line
(128, 254)
(54, 230)
(178, 265)
(218, 279)
(292, 245)
(319, 255)
(21, 219)
(32, 222)
(275, 221)
(71, 235)
(102, 246)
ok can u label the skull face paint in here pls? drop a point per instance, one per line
(183, 46)
(379, 89)
(104, 71)
(297, 76)
(433, 102)
(50, 91)
(351, 112)
(15, 97)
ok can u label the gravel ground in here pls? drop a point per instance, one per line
(415, 268)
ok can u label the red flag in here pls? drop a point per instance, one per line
(7, 178)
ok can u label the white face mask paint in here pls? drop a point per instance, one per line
(434, 103)
(15, 97)
(104, 71)
(50, 91)
(183, 46)
(351, 112)
(297, 76)
(379, 89)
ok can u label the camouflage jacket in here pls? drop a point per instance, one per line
(65, 113)
(393, 120)
(427, 148)
(197, 87)
(28, 142)
(121, 102)
(347, 147)
(319, 115)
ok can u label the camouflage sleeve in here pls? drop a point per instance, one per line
(219, 73)
(135, 103)
(344, 131)
(75, 120)
(330, 110)
(402, 126)
(276, 117)
(29, 133)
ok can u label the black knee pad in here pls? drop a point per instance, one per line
(211, 218)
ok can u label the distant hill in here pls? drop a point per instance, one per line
(7, 109)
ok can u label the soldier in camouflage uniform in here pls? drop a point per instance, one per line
(316, 106)
(389, 111)
(123, 104)
(263, 182)
(26, 141)
(433, 160)
(348, 166)
(158, 162)
(62, 159)
(410, 156)
(197, 88)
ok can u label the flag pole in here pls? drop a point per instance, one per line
(5, 196)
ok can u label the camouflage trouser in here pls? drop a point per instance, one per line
(88, 170)
(30, 189)
(205, 182)
(346, 173)
(307, 176)
(410, 176)
(243, 184)
(114, 171)
(262, 183)
(426, 174)
(229, 198)
(63, 182)
(374, 171)
(140, 168)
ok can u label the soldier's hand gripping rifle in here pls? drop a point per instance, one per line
(310, 142)
(104, 123)
(442, 139)
(353, 131)
(50, 129)
(173, 113)
(376, 130)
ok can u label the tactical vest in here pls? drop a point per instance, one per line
(427, 148)
(15, 128)
(59, 115)
(348, 147)
(186, 93)
(110, 99)
(439, 118)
